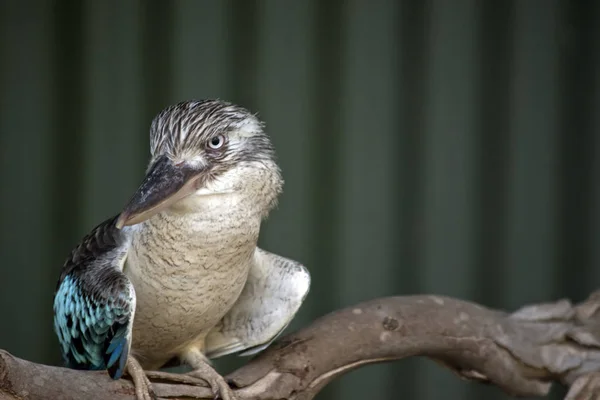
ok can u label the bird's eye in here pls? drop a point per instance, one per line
(216, 142)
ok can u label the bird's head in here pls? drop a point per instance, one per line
(201, 149)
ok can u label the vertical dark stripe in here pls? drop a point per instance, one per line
(495, 51)
(243, 28)
(414, 58)
(413, 36)
(324, 158)
(68, 111)
(157, 50)
(67, 131)
(574, 192)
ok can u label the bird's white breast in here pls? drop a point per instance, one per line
(187, 269)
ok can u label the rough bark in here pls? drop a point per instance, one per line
(523, 353)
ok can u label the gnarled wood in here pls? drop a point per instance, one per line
(523, 353)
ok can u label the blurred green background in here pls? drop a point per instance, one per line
(446, 147)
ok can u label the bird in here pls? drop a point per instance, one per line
(178, 274)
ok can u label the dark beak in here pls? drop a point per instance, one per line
(164, 184)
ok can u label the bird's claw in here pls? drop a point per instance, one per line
(217, 383)
(175, 378)
(143, 391)
(143, 387)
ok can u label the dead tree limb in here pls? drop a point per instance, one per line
(523, 353)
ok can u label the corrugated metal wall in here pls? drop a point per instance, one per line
(428, 146)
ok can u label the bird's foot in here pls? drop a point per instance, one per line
(217, 383)
(175, 378)
(198, 377)
(143, 387)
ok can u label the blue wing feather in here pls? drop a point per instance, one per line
(92, 336)
(94, 304)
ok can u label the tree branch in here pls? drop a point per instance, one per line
(523, 353)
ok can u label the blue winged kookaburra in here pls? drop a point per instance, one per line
(178, 274)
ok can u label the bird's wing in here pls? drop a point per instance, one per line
(94, 303)
(274, 292)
